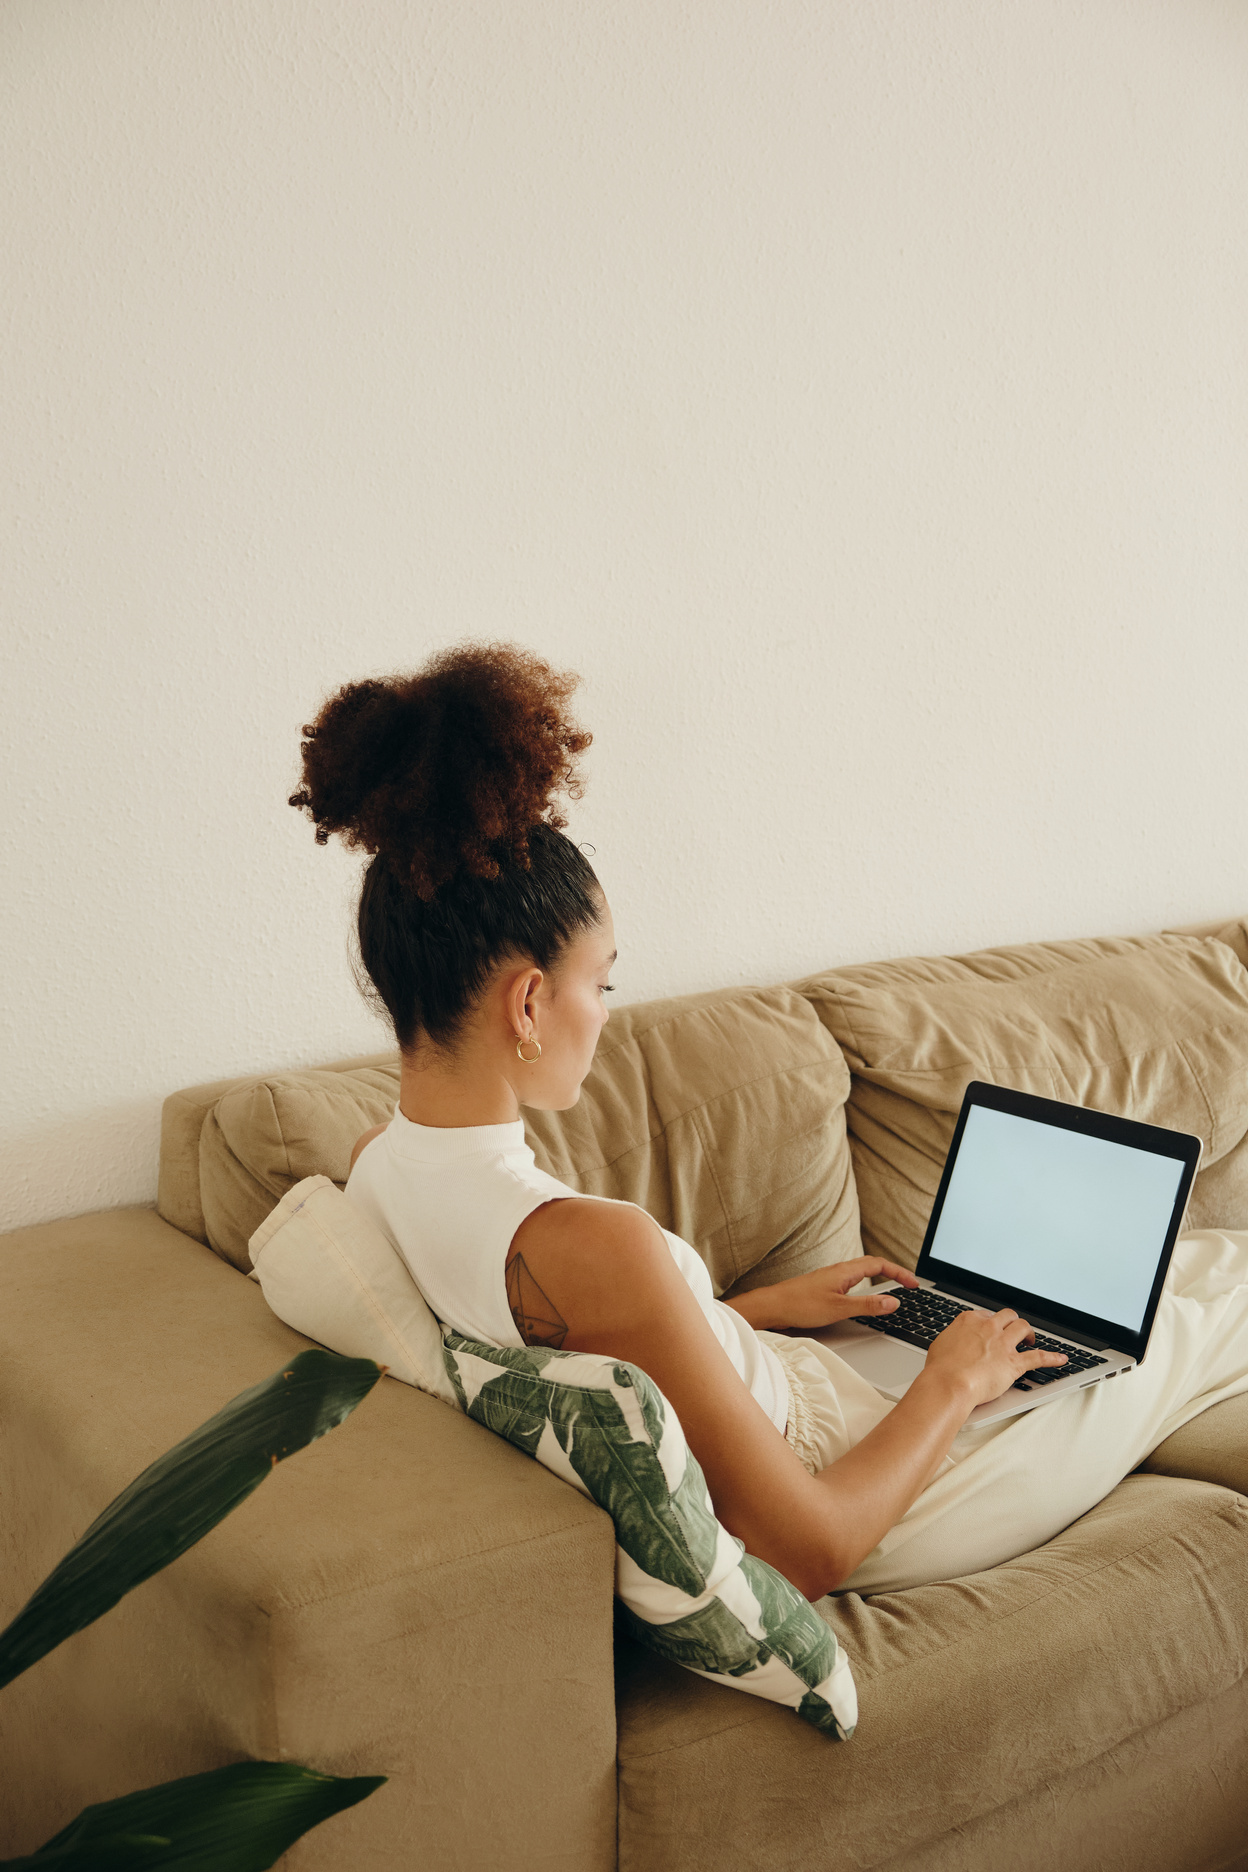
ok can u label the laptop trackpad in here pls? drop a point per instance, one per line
(888, 1364)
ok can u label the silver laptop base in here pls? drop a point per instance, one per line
(891, 1366)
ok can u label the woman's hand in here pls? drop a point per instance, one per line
(984, 1354)
(822, 1297)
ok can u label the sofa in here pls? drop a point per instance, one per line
(414, 1597)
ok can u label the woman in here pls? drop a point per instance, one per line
(488, 940)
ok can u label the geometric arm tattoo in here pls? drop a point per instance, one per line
(537, 1318)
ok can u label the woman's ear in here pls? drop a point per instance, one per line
(521, 996)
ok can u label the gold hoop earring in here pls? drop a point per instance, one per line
(531, 1041)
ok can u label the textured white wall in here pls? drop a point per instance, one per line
(856, 394)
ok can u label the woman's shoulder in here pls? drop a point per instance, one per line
(362, 1143)
(586, 1267)
(584, 1224)
(607, 1237)
(584, 1244)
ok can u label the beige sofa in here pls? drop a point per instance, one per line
(414, 1597)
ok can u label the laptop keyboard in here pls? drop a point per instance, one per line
(922, 1314)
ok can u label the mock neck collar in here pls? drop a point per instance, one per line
(449, 1143)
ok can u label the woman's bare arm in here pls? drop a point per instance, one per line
(594, 1277)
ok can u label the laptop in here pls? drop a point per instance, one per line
(1067, 1215)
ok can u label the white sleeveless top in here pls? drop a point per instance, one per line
(451, 1201)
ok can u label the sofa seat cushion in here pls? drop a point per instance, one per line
(972, 1694)
(721, 1114)
(1211, 1448)
(1153, 1028)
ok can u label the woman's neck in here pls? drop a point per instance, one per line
(443, 1098)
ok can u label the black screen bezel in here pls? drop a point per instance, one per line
(1051, 1314)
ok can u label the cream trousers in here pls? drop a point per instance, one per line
(1013, 1485)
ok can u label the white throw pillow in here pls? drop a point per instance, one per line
(328, 1272)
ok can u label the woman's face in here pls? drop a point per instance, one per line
(568, 1011)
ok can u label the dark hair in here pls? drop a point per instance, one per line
(446, 777)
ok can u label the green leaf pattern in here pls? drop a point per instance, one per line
(689, 1589)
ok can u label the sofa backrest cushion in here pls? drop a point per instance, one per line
(1155, 1028)
(179, 1191)
(722, 1114)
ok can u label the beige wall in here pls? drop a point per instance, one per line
(855, 392)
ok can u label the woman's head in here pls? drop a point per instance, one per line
(447, 778)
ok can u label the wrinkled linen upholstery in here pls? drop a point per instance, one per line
(1155, 1028)
(974, 1695)
(261, 1137)
(178, 1191)
(372, 1608)
(721, 1114)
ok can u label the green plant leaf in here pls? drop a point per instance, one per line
(180, 1497)
(236, 1819)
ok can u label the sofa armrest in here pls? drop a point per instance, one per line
(410, 1596)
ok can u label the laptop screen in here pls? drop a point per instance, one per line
(1076, 1209)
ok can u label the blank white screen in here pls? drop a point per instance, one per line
(1068, 1217)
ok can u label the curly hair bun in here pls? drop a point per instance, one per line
(445, 771)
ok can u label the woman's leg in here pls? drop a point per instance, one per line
(1015, 1484)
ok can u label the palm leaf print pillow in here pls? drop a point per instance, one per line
(689, 1589)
